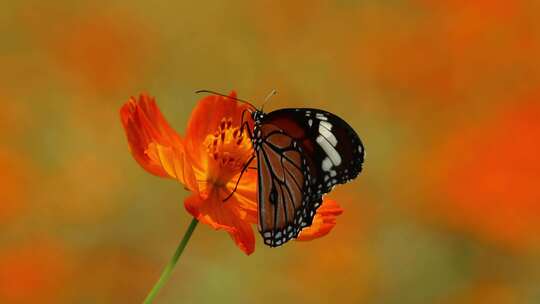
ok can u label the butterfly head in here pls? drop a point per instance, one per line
(257, 116)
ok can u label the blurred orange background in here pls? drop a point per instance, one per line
(445, 95)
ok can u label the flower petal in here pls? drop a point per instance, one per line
(245, 196)
(222, 216)
(323, 222)
(153, 143)
(243, 237)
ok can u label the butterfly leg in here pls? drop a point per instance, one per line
(245, 125)
(244, 169)
(242, 122)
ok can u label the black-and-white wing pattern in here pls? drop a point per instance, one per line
(301, 155)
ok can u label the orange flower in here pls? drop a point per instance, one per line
(208, 162)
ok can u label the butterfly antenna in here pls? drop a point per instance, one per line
(272, 93)
(226, 96)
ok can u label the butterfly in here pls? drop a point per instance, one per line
(301, 154)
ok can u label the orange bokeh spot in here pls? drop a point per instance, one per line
(486, 290)
(486, 176)
(109, 54)
(33, 273)
(13, 181)
(449, 52)
(102, 51)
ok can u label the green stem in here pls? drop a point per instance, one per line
(165, 275)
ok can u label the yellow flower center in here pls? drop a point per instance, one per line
(229, 150)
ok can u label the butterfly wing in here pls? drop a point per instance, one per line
(281, 186)
(326, 152)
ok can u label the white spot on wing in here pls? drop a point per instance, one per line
(327, 134)
(326, 164)
(310, 122)
(330, 151)
(321, 116)
(326, 124)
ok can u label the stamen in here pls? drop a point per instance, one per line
(228, 147)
